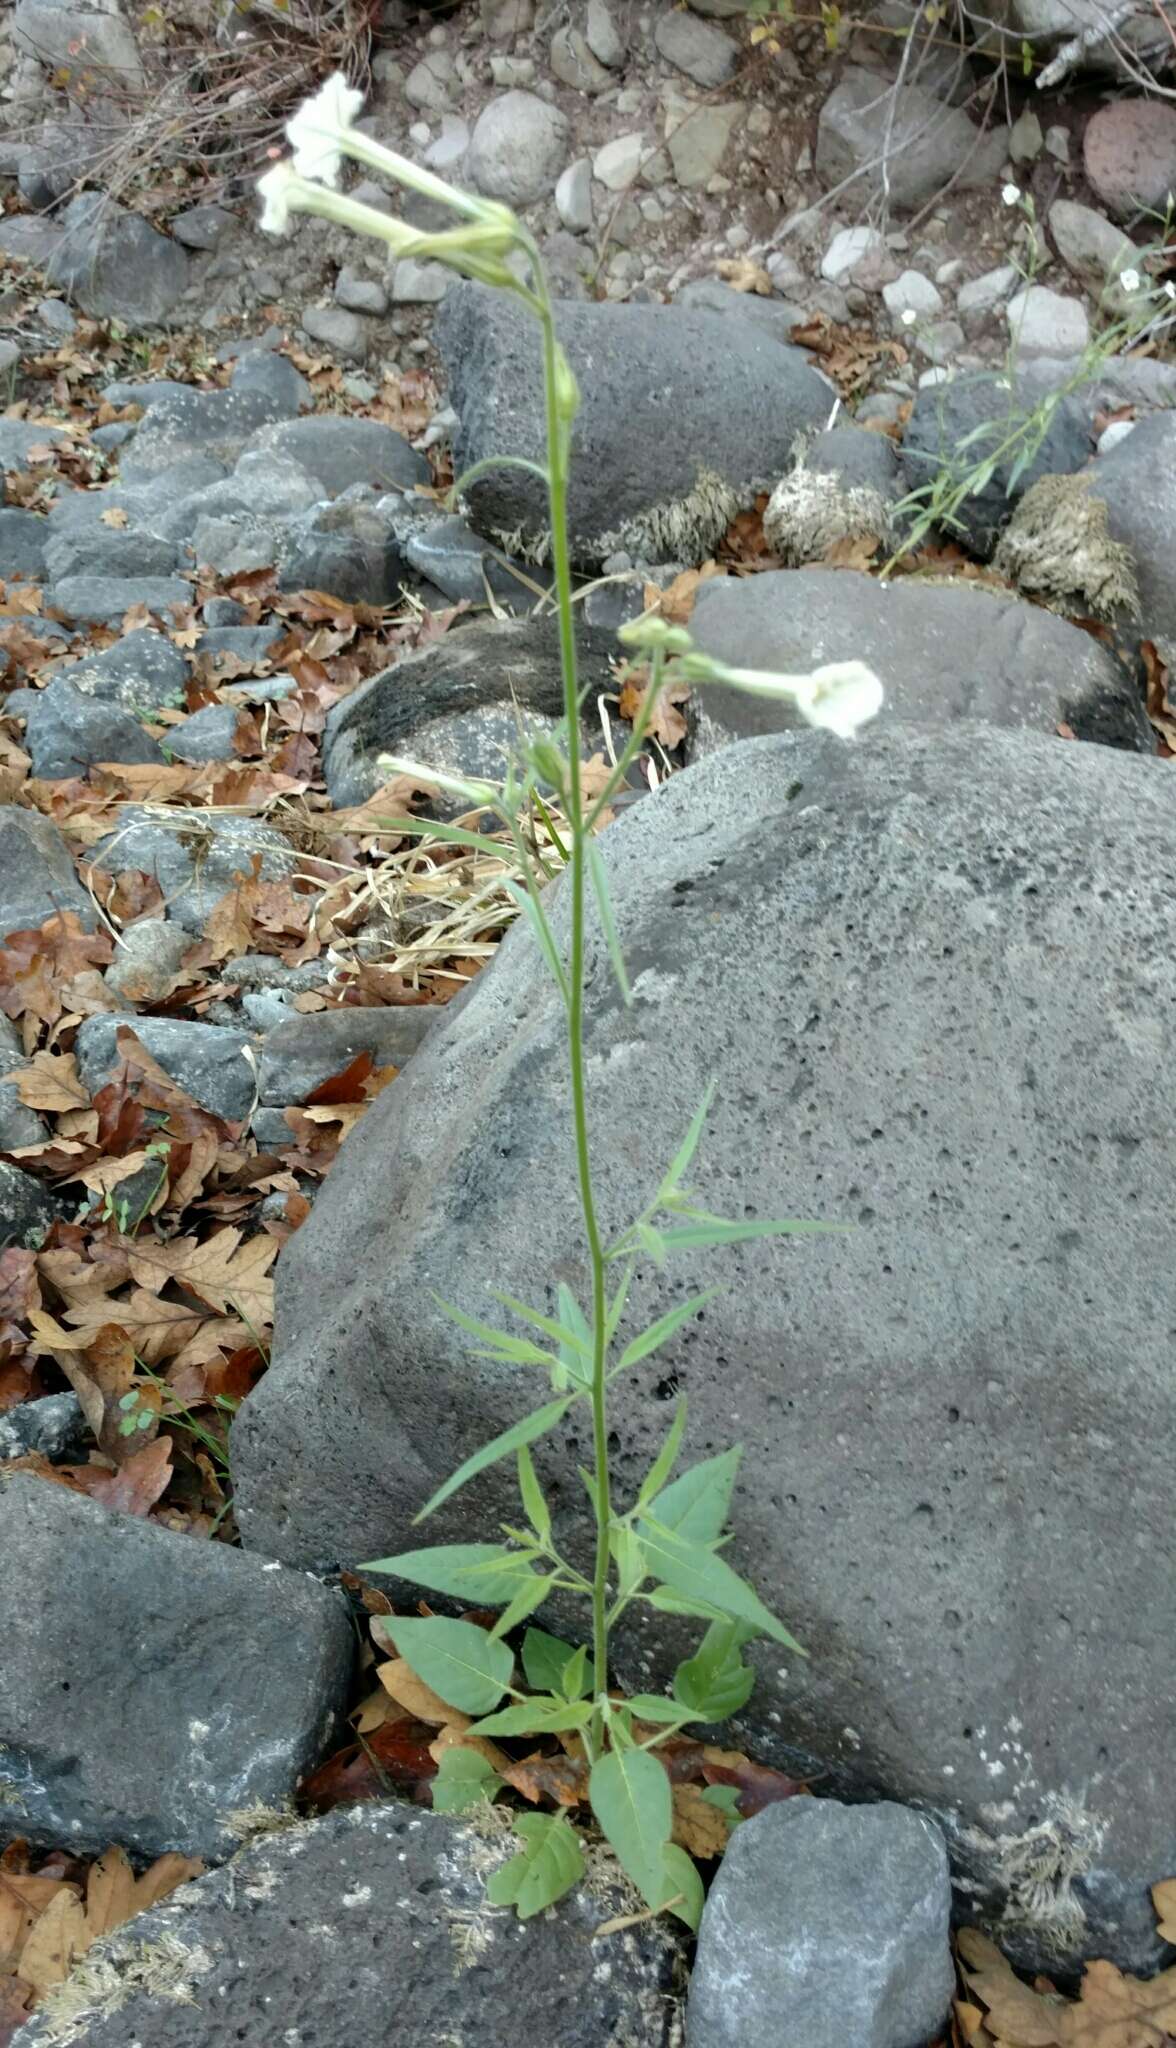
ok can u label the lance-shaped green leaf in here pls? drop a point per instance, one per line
(663, 1464)
(706, 1230)
(685, 1897)
(527, 1431)
(499, 1343)
(464, 1779)
(536, 1717)
(537, 920)
(487, 1573)
(660, 1332)
(549, 1863)
(697, 1503)
(574, 1335)
(653, 1706)
(530, 1596)
(698, 1573)
(462, 1664)
(715, 1683)
(600, 890)
(686, 1150)
(531, 1494)
(630, 1795)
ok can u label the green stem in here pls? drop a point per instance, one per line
(558, 440)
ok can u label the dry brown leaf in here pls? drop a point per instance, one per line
(58, 1936)
(699, 1827)
(1164, 1901)
(401, 1683)
(743, 275)
(163, 1877)
(114, 515)
(110, 1893)
(1117, 2011)
(1023, 2018)
(50, 1081)
(1160, 710)
(855, 551)
(224, 1272)
(454, 1736)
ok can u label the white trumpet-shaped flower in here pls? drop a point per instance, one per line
(476, 794)
(840, 697)
(277, 189)
(319, 128)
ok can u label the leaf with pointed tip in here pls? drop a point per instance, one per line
(698, 1573)
(464, 1666)
(549, 1863)
(685, 1899)
(544, 1658)
(715, 1683)
(663, 1464)
(600, 889)
(527, 1431)
(697, 1503)
(530, 1596)
(653, 1706)
(717, 1230)
(688, 1147)
(540, 1716)
(659, 1333)
(531, 1494)
(482, 1572)
(630, 1795)
(464, 1779)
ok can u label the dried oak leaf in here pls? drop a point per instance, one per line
(1163, 1899)
(757, 1784)
(562, 1779)
(699, 1827)
(222, 1272)
(50, 1081)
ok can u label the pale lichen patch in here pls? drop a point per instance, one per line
(1058, 548)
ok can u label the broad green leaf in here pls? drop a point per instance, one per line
(654, 1706)
(531, 1494)
(464, 1778)
(470, 1571)
(600, 890)
(716, 1230)
(550, 1862)
(536, 1717)
(630, 1795)
(715, 1682)
(697, 1503)
(517, 1350)
(530, 1595)
(527, 1431)
(574, 1679)
(464, 1666)
(699, 1573)
(685, 1894)
(544, 1658)
(688, 1147)
(663, 1464)
(563, 1333)
(660, 1332)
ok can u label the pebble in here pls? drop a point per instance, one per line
(512, 71)
(1045, 323)
(517, 147)
(982, 294)
(574, 64)
(345, 334)
(696, 47)
(1057, 143)
(1025, 138)
(602, 35)
(430, 84)
(360, 294)
(1129, 151)
(912, 293)
(616, 165)
(845, 252)
(573, 196)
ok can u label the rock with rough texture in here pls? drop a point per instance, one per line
(212, 1064)
(37, 875)
(153, 1689)
(143, 671)
(22, 544)
(1137, 483)
(106, 600)
(346, 335)
(147, 959)
(574, 64)
(843, 487)
(826, 1924)
(517, 149)
(197, 861)
(455, 706)
(115, 265)
(696, 47)
(944, 652)
(696, 139)
(393, 1939)
(210, 734)
(1045, 323)
(1129, 153)
(339, 452)
(1093, 248)
(98, 550)
(924, 143)
(353, 547)
(54, 1426)
(19, 1125)
(458, 562)
(79, 40)
(684, 415)
(927, 970)
(27, 1208)
(208, 424)
(945, 415)
(67, 733)
(306, 1051)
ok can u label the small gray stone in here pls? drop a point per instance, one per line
(339, 452)
(617, 164)
(307, 1050)
(573, 196)
(143, 671)
(696, 47)
(23, 536)
(697, 138)
(384, 1897)
(574, 64)
(461, 565)
(27, 1208)
(849, 247)
(195, 863)
(207, 1061)
(201, 227)
(1044, 323)
(353, 548)
(448, 149)
(105, 600)
(346, 335)
(983, 294)
(1025, 138)
(115, 265)
(71, 34)
(418, 284)
(264, 370)
(603, 36)
(37, 875)
(244, 643)
(517, 147)
(147, 959)
(912, 293)
(1092, 247)
(17, 439)
(826, 1924)
(19, 1125)
(208, 735)
(431, 84)
(232, 1676)
(1137, 483)
(359, 293)
(503, 19)
(66, 733)
(54, 1426)
(925, 144)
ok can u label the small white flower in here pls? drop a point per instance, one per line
(275, 190)
(319, 126)
(841, 697)
(1170, 290)
(909, 317)
(1129, 279)
(1011, 194)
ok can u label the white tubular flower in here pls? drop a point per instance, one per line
(1011, 194)
(1129, 279)
(320, 128)
(1170, 290)
(277, 189)
(841, 697)
(476, 794)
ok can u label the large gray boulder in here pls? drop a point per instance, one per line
(371, 1924)
(684, 416)
(115, 265)
(929, 972)
(944, 652)
(153, 1688)
(899, 140)
(945, 417)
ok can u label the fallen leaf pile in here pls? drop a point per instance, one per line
(1112, 2010)
(53, 1908)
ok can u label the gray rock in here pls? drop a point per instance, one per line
(574, 64)
(858, 907)
(1045, 323)
(339, 452)
(232, 1678)
(696, 47)
(55, 315)
(54, 1426)
(37, 875)
(776, 317)
(696, 139)
(245, 643)
(107, 551)
(573, 196)
(18, 1124)
(196, 862)
(683, 414)
(216, 424)
(353, 548)
(144, 391)
(912, 293)
(72, 37)
(271, 1131)
(418, 284)
(616, 165)
(517, 148)
(346, 335)
(105, 600)
(430, 85)
(115, 265)
(844, 486)
(1092, 247)
(603, 35)
(30, 238)
(22, 544)
(210, 1063)
(360, 294)
(389, 1903)
(208, 735)
(263, 369)
(826, 1924)
(202, 227)
(305, 1051)
(146, 959)
(455, 705)
(17, 439)
(67, 733)
(27, 1208)
(460, 564)
(1137, 482)
(945, 414)
(925, 143)
(143, 671)
(235, 547)
(848, 248)
(982, 294)
(944, 652)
